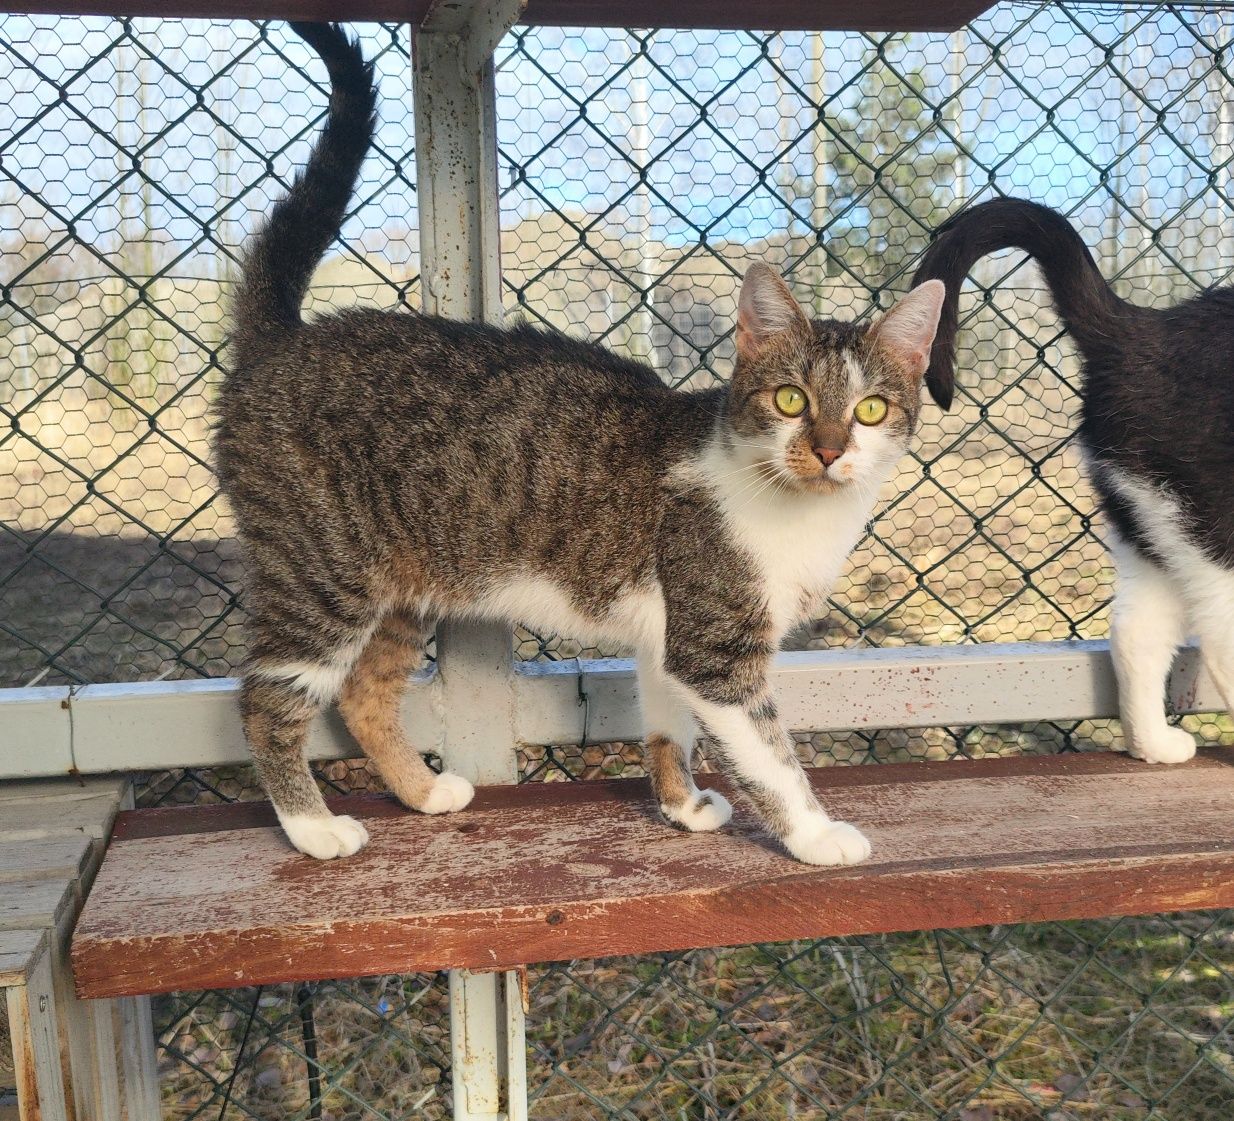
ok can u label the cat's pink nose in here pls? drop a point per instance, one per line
(828, 455)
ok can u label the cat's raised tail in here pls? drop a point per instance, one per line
(1088, 306)
(283, 254)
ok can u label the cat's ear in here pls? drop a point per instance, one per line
(765, 308)
(906, 332)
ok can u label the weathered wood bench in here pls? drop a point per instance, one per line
(193, 898)
(67, 1055)
(26, 978)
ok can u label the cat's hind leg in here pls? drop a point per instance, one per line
(370, 703)
(670, 734)
(1210, 598)
(306, 632)
(1147, 628)
(276, 711)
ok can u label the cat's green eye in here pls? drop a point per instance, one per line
(790, 400)
(870, 410)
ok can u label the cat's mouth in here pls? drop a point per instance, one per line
(817, 478)
(827, 483)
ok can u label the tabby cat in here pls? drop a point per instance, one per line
(1157, 431)
(389, 469)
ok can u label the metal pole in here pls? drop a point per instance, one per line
(647, 265)
(460, 257)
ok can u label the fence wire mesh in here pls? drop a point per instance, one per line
(641, 172)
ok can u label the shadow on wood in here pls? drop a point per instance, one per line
(210, 897)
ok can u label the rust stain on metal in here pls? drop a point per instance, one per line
(524, 989)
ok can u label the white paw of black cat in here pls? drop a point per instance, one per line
(325, 838)
(1168, 745)
(828, 842)
(449, 793)
(702, 814)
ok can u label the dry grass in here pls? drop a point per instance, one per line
(898, 1027)
(995, 1024)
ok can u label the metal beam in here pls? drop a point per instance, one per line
(770, 15)
(844, 690)
(454, 86)
(195, 723)
(460, 265)
(456, 155)
(36, 732)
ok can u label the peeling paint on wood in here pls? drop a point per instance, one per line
(211, 897)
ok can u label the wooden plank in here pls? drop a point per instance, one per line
(216, 897)
(32, 1024)
(769, 15)
(165, 821)
(51, 842)
(20, 950)
(35, 903)
(99, 1100)
(142, 1100)
(88, 1048)
(66, 857)
(59, 789)
(46, 810)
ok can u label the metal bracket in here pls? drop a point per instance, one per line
(489, 1067)
(477, 29)
(456, 155)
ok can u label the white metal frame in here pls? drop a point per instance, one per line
(476, 711)
(472, 692)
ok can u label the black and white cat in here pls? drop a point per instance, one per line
(1157, 431)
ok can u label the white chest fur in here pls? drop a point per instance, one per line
(635, 618)
(800, 543)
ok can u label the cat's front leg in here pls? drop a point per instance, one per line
(758, 755)
(670, 732)
(719, 641)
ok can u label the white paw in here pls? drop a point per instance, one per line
(828, 842)
(1168, 745)
(324, 837)
(449, 793)
(702, 814)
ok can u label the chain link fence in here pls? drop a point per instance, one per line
(640, 172)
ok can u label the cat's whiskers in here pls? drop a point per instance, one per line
(758, 484)
(777, 479)
(766, 484)
(759, 468)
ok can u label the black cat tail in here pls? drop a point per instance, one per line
(281, 257)
(1088, 306)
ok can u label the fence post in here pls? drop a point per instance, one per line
(460, 265)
